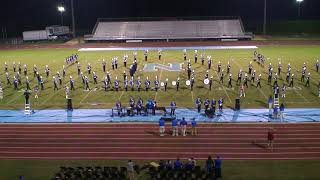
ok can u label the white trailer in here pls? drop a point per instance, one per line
(35, 35)
(58, 30)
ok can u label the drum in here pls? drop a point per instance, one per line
(162, 84)
(188, 82)
(174, 83)
(206, 81)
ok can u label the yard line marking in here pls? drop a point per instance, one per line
(192, 97)
(159, 79)
(121, 95)
(85, 97)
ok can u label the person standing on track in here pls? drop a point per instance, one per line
(161, 127)
(183, 125)
(175, 130)
(194, 127)
(270, 138)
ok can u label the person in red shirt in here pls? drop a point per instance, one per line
(270, 138)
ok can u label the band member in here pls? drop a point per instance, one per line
(178, 83)
(78, 68)
(184, 54)
(195, 56)
(279, 67)
(35, 70)
(317, 66)
(86, 83)
(116, 84)
(242, 93)
(166, 84)
(41, 83)
(5, 67)
(25, 70)
(270, 67)
(71, 83)
(206, 104)
(89, 68)
(131, 102)
(221, 77)
(139, 84)
(139, 106)
(8, 78)
(228, 68)
(125, 59)
(14, 66)
(147, 83)
(15, 83)
(55, 84)
(18, 77)
(213, 106)
(118, 107)
(63, 71)
(303, 74)
(106, 83)
(209, 62)
(219, 66)
(83, 79)
(291, 81)
(259, 81)
(116, 62)
(125, 84)
(159, 53)
(28, 83)
(206, 76)
(245, 80)
(156, 83)
(198, 104)
(104, 65)
(189, 72)
(146, 55)
(47, 71)
(210, 82)
(59, 78)
(239, 76)
(230, 81)
(36, 92)
(220, 103)
(66, 90)
(270, 76)
(173, 108)
(250, 67)
(308, 80)
(275, 80)
(113, 63)
(135, 53)
(132, 83)
(284, 90)
(253, 76)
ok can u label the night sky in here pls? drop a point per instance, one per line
(18, 15)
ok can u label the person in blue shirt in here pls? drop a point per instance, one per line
(281, 111)
(194, 127)
(161, 127)
(173, 108)
(209, 165)
(175, 131)
(198, 104)
(178, 164)
(183, 125)
(217, 167)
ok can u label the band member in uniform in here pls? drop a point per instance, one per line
(47, 70)
(18, 77)
(195, 56)
(270, 76)
(253, 76)
(63, 71)
(113, 63)
(55, 84)
(221, 77)
(245, 80)
(206, 104)
(8, 78)
(210, 82)
(159, 53)
(19, 67)
(230, 81)
(291, 81)
(71, 83)
(36, 92)
(104, 65)
(185, 54)
(213, 106)
(308, 80)
(15, 83)
(132, 83)
(25, 70)
(279, 67)
(5, 67)
(228, 68)
(156, 83)
(202, 59)
(41, 83)
(275, 80)
(139, 106)
(166, 84)
(209, 62)
(147, 83)
(106, 83)
(131, 102)
(86, 83)
(242, 93)
(219, 67)
(178, 83)
(116, 84)
(239, 76)
(66, 90)
(173, 108)
(125, 84)
(116, 62)
(198, 104)
(250, 67)
(139, 84)
(119, 107)
(14, 66)
(95, 77)
(189, 72)
(35, 70)
(220, 103)
(89, 68)
(284, 89)
(135, 53)
(28, 83)
(258, 81)
(78, 68)
(125, 59)
(303, 74)
(59, 78)
(146, 55)
(317, 66)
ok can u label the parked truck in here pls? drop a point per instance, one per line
(50, 33)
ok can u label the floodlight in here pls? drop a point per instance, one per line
(299, 1)
(61, 9)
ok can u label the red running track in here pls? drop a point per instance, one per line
(141, 141)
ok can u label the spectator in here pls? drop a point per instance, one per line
(178, 164)
(161, 164)
(183, 125)
(161, 127)
(130, 170)
(21, 178)
(194, 127)
(194, 162)
(217, 167)
(174, 123)
(189, 165)
(169, 164)
(209, 165)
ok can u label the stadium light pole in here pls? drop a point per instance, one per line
(61, 9)
(265, 17)
(73, 20)
(299, 7)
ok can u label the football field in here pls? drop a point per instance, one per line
(97, 97)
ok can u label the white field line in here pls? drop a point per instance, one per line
(159, 79)
(120, 96)
(85, 97)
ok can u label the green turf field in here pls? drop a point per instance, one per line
(255, 98)
(231, 170)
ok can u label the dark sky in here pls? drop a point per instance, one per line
(19, 15)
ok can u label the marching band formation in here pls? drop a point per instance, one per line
(134, 82)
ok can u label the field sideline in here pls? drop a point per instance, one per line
(98, 98)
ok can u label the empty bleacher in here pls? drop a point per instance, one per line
(167, 30)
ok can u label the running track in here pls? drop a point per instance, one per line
(141, 141)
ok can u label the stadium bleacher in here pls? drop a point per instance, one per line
(168, 30)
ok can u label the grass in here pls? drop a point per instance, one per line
(231, 170)
(256, 98)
